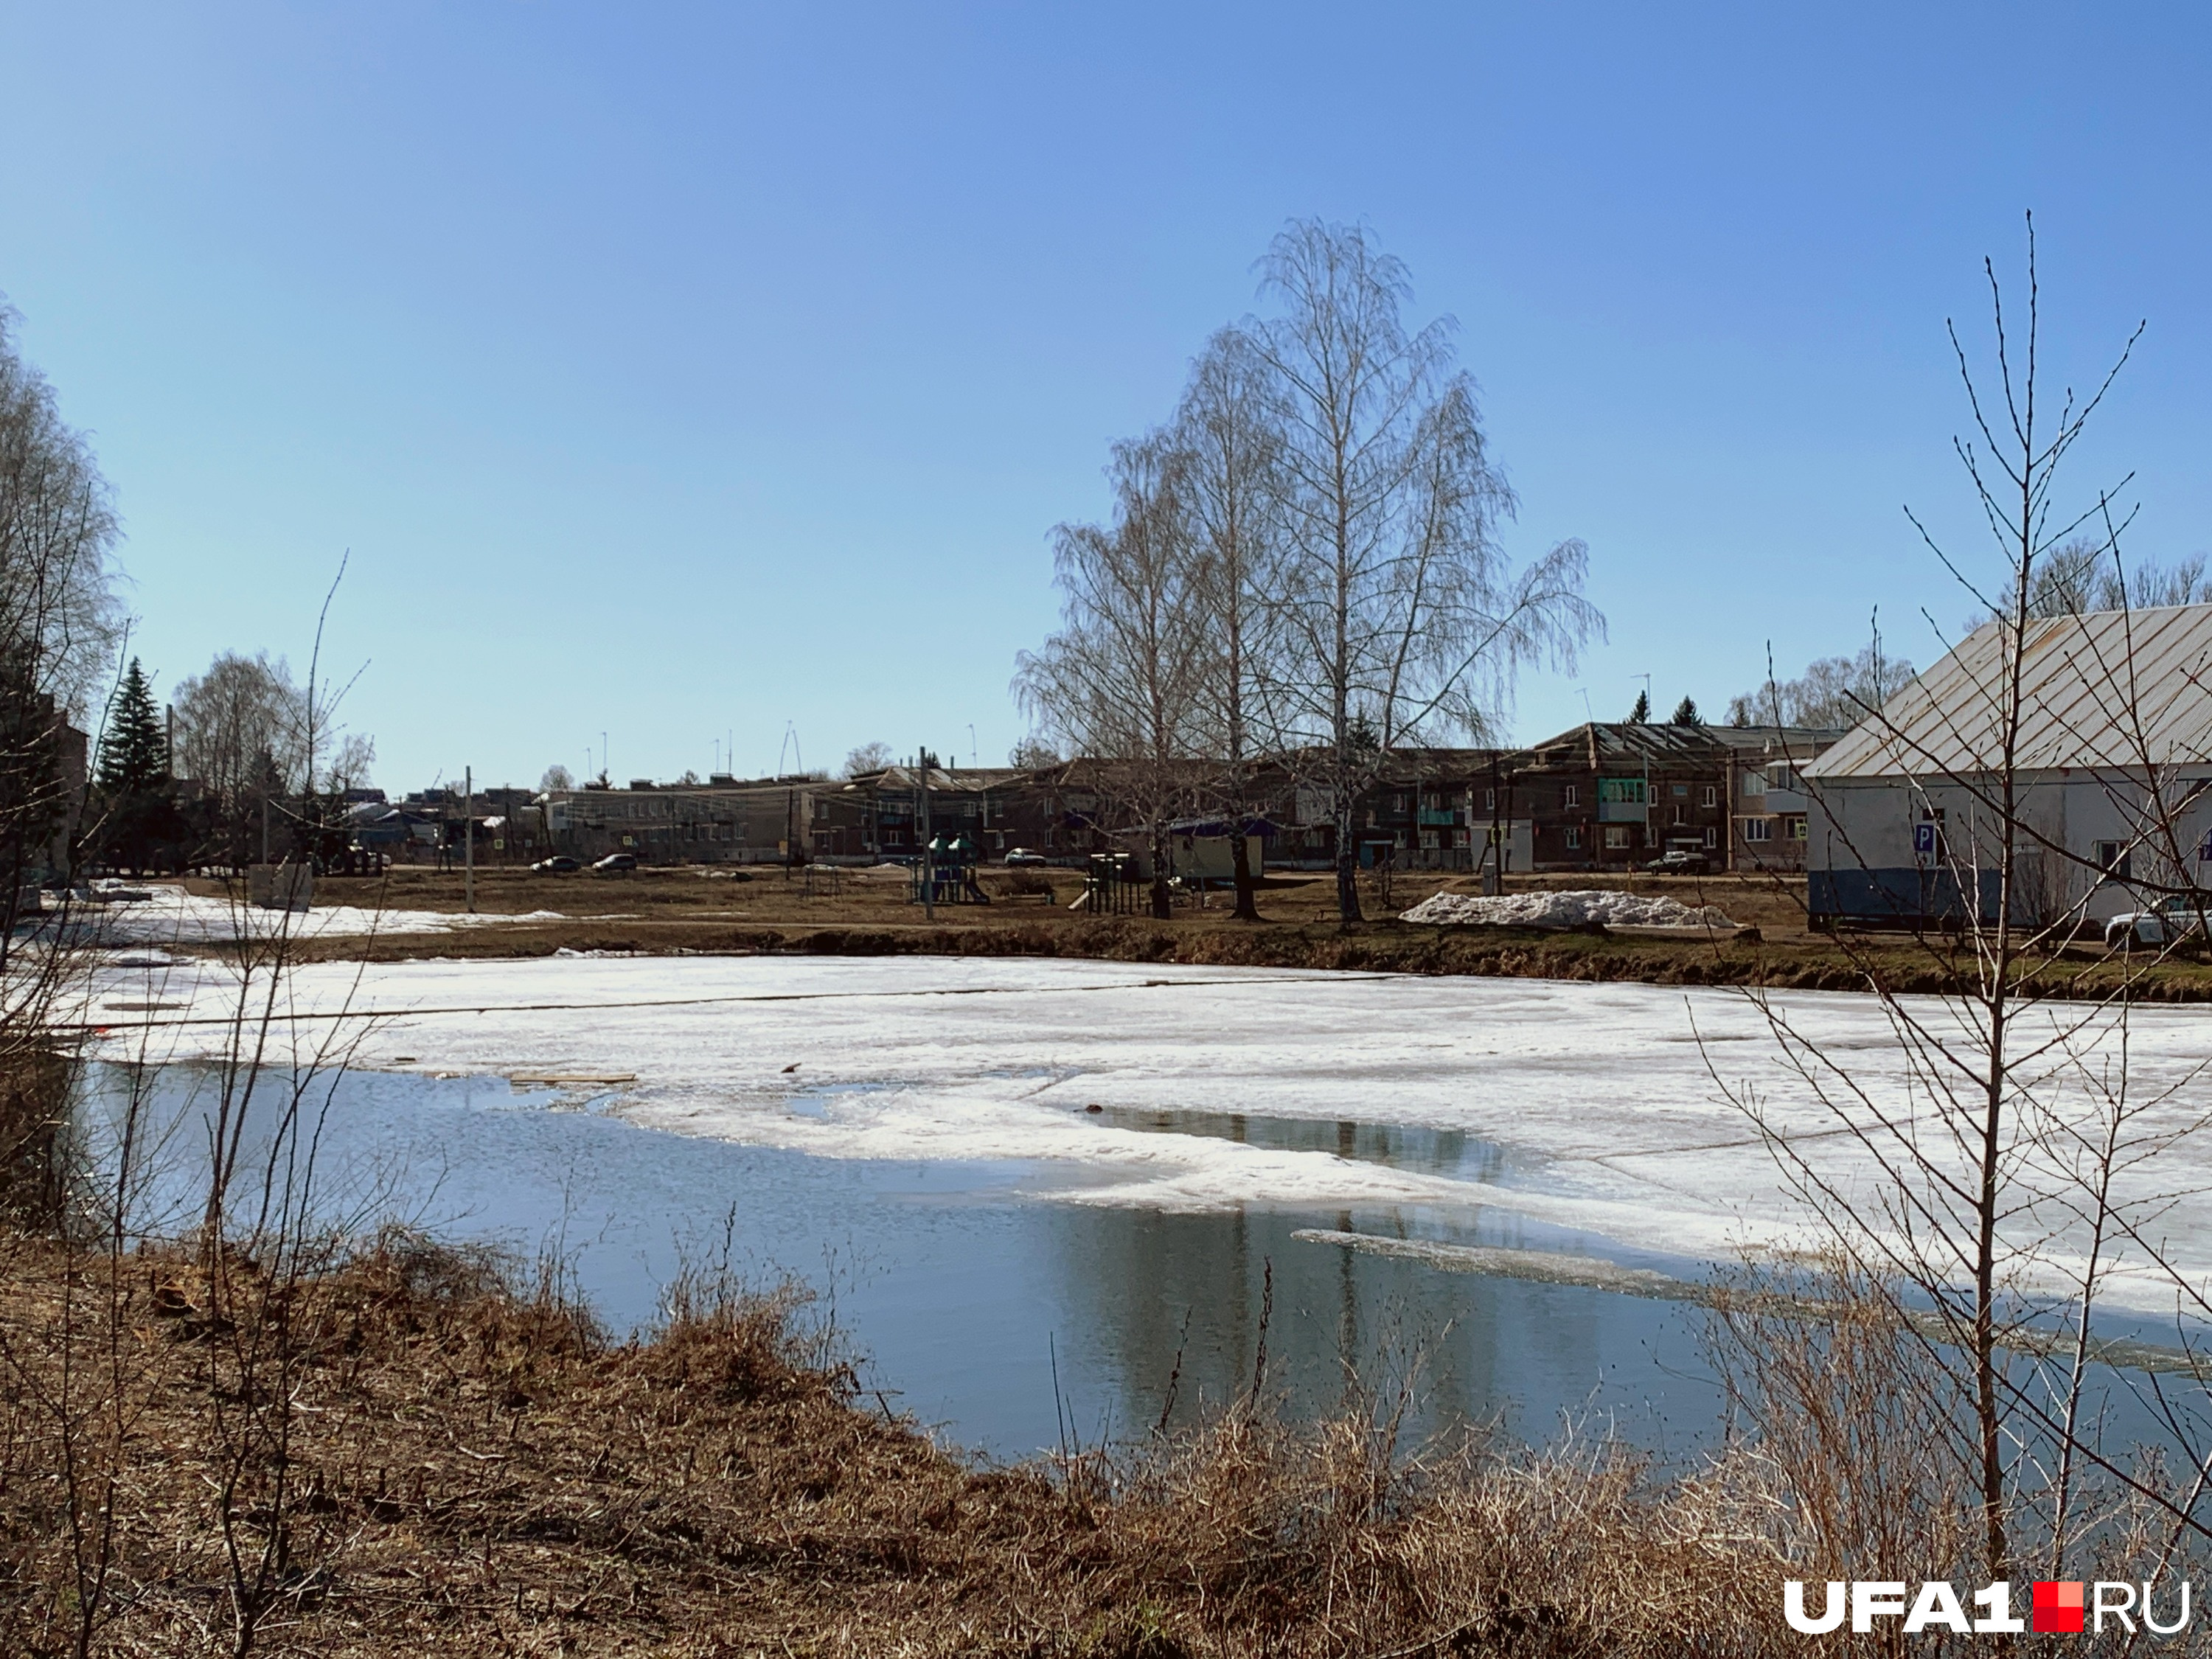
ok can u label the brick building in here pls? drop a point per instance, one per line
(1610, 796)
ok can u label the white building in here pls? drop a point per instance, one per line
(2112, 751)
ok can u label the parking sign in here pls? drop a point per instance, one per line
(1924, 838)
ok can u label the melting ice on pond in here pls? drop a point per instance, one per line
(1593, 1113)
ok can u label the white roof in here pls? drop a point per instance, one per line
(2105, 689)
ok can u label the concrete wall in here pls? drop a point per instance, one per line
(1862, 858)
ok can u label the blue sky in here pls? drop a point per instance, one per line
(686, 369)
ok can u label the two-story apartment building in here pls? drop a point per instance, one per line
(1610, 796)
(1769, 812)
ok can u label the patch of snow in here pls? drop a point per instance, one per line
(167, 915)
(1578, 909)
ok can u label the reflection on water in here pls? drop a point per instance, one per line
(994, 1313)
(1450, 1153)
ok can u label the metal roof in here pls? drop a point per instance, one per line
(1791, 742)
(2104, 688)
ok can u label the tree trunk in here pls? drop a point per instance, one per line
(1162, 910)
(1347, 864)
(1240, 853)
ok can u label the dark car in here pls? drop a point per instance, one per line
(616, 863)
(1679, 862)
(561, 865)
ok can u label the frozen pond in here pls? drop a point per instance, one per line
(919, 1134)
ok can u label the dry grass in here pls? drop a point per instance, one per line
(474, 1468)
(696, 910)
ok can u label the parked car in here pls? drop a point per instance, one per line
(1022, 855)
(1679, 862)
(560, 864)
(2167, 922)
(616, 864)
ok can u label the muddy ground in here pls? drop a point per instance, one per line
(869, 913)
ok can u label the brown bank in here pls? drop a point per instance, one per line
(867, 913)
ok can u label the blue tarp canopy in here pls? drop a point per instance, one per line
(1203, 827)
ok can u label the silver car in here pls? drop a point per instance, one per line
(2167, 922)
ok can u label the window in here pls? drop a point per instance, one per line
(1713, 836)
(1616, 836)
(2112, 857)
(1681, 814)
(1712, 794)
(1490, 800)
(1681, 792)
(1754, 783)
(1574, 836)
(1758, 828)
(1573, 797)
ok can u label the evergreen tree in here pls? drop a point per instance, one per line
(1685, 713)
(134, 755)
(1642, 712)
(139, 826)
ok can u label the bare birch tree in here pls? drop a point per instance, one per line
(1399, 611)
(1121, 682)
(1832, 691)
(1228, 432)
(59, 620)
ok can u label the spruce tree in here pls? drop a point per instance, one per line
(1685, 713)
(1642, 712)
(134, 755)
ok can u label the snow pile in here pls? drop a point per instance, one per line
(1571, 909)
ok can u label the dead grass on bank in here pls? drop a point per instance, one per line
(474, 1468)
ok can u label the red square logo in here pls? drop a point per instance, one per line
(2058, 1610)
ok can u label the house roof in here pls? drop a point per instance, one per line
(1626, 743)
(1788, 742)
(2104, 688)
(953, 778)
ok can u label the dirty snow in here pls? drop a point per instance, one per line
(1600, 1100)
(1569, 909)
(170, 915)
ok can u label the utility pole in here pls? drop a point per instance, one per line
(469, 834)
(928, 858)
(1646, 678)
